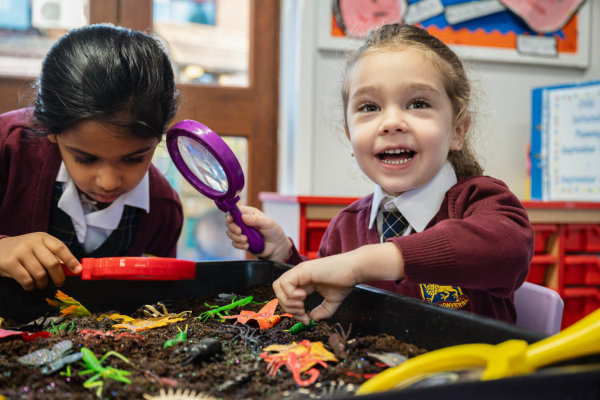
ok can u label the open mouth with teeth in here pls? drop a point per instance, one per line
(396, 156)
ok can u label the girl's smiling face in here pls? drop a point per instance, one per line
(103, 160)
(399, 119)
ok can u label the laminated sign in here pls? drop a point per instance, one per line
(565, 142)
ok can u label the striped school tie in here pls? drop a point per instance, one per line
(394, 224)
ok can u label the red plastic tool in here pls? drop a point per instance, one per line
(136, 268)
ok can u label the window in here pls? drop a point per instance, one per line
(28, 29)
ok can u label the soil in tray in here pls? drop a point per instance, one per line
(235, 372)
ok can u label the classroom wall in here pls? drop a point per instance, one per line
(314, 154)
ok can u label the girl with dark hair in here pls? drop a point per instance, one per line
(76, 178)
(435, 227)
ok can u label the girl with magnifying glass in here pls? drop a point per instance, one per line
(463, 240)
(76, 178)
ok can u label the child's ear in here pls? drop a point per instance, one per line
(52, 137)
(346, 129)
(461, 127)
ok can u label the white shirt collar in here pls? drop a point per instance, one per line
(419, 205)
(106, 219)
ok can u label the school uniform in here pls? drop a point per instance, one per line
(35, 197)
(468, 247)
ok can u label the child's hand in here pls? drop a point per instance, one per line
(331, 277)
(30, 258)
(277, 244)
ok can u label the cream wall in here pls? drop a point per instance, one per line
(313, 151)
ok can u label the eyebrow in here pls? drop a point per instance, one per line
(410, 86)
(84, 153)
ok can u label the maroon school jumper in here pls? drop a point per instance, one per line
(478, 246)
(28, 169)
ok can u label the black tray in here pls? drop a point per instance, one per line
(370, 310)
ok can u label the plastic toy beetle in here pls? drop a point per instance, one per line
(202, 350)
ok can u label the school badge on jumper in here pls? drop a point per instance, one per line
(445, 296)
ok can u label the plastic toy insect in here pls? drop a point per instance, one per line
(41, 323)
(158, 319)
(62, 353)
(101, 373)
(301, 327)
(298, 358)
(204, 349)
(62, 328)
(137, 325)
(219, 311)
(264, 317)
(245, 334)
(181, 337)
(61, 362)
(45, 356)
(154, 313)
(339, 340)
(68, 305)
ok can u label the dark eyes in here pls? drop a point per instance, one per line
(368, 107)
(134, 160)
(418, 104)
(81, 160)
(412, 105)
(91, 160)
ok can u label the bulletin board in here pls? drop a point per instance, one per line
(494, 37)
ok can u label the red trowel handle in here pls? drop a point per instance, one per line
(135, 268)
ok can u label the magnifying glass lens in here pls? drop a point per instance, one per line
(202, 164)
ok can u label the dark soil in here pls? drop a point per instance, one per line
(236, 372)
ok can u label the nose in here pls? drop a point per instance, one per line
(108, 178)
(393, 122)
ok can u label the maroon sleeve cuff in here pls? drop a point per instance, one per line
(294, 258)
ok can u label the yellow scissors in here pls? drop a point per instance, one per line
(509, 358)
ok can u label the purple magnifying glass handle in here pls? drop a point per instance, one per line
(210, 166)
(256, 243)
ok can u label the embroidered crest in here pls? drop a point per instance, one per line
(445, 296)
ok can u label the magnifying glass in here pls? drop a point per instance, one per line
(209, 165)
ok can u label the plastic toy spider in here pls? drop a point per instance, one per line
(247, 335)
(339, 340)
